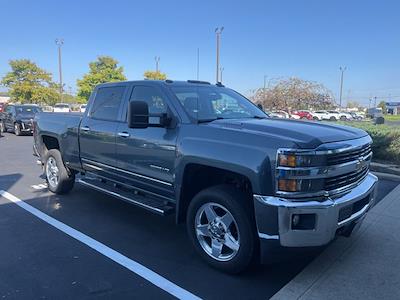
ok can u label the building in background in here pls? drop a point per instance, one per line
(393, 108)
(4, 99)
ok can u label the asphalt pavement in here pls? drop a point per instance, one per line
(40, 261)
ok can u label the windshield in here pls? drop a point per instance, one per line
(28, 109)
(209, 103)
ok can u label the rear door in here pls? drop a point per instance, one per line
(98, 129)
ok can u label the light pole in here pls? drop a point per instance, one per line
(341, 85)
(198, 63)
(59, 43)
(157, 59)
(221, 69)
(375, 101)
(218, 32)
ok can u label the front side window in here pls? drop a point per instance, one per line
(209, 103)
(107, 103)
(151, 96)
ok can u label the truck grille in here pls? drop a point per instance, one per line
(348, 156)
(347, 179)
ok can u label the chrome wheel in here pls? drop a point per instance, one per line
(52, 172)
(217, 231)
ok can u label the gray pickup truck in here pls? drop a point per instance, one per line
(244, 184)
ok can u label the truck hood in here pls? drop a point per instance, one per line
(25, 116)
(305, 134)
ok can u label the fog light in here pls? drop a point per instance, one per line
(303, 221)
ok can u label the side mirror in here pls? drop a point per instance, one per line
(260, 106)
(138, 114)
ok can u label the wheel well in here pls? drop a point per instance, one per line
(198, 177)
(50, 142)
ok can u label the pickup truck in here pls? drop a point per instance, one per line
(246, 185)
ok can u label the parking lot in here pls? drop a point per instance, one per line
(41, 261)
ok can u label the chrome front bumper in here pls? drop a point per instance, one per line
(274, 215)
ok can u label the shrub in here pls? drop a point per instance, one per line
(386, 140)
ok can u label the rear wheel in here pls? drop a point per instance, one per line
(332, 119)
(220, 226)
(58, 179)
(17, 129)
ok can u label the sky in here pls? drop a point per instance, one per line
(309, 39)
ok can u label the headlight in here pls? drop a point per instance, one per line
(295, 170)
(293, 160)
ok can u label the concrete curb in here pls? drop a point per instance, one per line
(318, 269)
(385, 168)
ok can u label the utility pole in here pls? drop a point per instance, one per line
(218, 32)
(341, 85)
(198, 63)
(375, 101)
(59, 43)
(157, 59)
(370, 100)
(221, 69)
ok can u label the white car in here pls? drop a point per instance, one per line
(82, 108)
(337, 115)
(62, 108)
(321, 115)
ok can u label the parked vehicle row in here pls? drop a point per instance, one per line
(319, 115)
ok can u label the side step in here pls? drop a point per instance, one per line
(154, 205)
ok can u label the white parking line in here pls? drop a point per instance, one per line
(117, 257)
(41, 186)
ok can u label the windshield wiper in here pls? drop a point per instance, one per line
(209, 120)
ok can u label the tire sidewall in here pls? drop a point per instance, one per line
(65, 180)
(231, 201)
(17, 129)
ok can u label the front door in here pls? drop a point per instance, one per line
(98, 130)
(146, 156)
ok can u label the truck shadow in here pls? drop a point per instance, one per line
(157, 243)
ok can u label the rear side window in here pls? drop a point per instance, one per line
(150, 95)
(107, 103)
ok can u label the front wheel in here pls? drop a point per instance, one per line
(59, 181)
(2, 127)
(17, 129)
(220, 227)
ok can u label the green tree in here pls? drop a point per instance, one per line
(104, 69)
(27, 83)
(154, 75)
(382, 105)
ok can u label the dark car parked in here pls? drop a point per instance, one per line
(244, 183)
(18, 118)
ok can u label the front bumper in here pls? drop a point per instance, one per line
(274, 215)
(26, 127)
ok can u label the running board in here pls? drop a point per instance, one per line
(153, 205)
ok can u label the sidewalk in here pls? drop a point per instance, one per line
(365, 266)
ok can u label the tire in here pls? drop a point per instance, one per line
(2, 127)
(59, 180)
(240, 234)
(17, 129)
(332, 118)
(343, 118)
(304, 118)
(315, 118)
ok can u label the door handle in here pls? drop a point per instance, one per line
(85, 128)
(123, 134)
